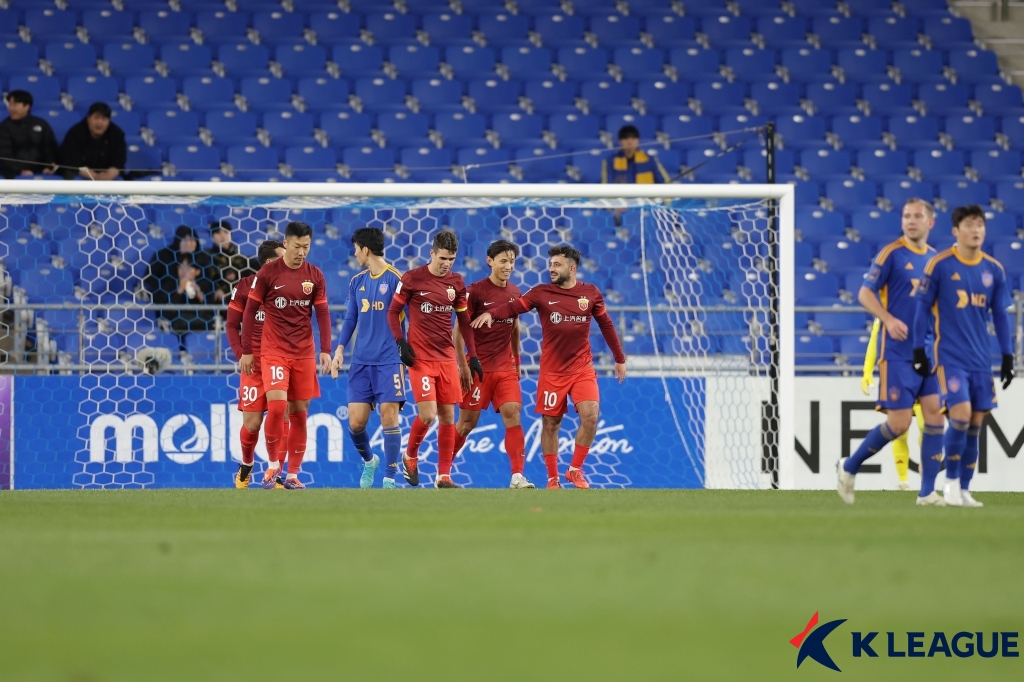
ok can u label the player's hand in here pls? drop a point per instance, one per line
(325, 363)
(465, 377)
(247, 363)
(921, 365)
(866, 383)
(480, 321)
(896, 328)
(620, 371)
(406, 353)
(1006, 371)
(476, 369)
(336, 363)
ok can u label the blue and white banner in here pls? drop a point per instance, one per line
(107, 431)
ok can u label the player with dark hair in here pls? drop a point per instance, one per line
(566, 364)
(960, 288)
(377, 376)
(498, 346)
(288, 289)
(252, 399)
(433, 292)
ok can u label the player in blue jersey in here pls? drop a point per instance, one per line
(889, 293)
(377, 375)
(961, 286)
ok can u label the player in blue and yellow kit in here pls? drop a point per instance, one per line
(377, 376)
(895, 278)
(960, 287)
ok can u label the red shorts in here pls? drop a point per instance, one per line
(297, 376)
(497, 389)
(554, 389)
(251, 396)
(437, 381)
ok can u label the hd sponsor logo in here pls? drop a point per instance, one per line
(912, 644)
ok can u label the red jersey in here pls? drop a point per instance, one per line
(239, 299)
(494, 343)
(431, 300)
(565, 325)
(287, 298)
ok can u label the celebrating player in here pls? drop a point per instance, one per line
(896, 273)
(287, 289)
(376, 376)
(498, 346)
(252, 400)
(433, 292)
(566, 364)
(961, 285)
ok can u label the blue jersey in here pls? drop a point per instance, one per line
(369, 298)
(959, 294)
(895, 276)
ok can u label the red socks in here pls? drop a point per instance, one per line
(296, 441)
(275, 431)
(515, 445)
(249, 439)
(445, 448)
(460, 440)
(551, 462)
(416, 434)
(578, 455)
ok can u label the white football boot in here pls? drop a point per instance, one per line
(844, 482)
(519, 481)
(968, 499)
(904, 485)
(932, 499)
(951, 493)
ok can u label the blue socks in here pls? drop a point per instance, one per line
(969, 457)
(931, 457)
(392, 448)
(876, 439)
(362, 443)
(956, 442)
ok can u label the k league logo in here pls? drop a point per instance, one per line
(811, 642)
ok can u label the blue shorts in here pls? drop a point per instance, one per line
(960, 386)
(899, 386)
(375, 384)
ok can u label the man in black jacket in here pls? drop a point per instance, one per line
(229, 265)
(162, 280)
(94, 148)
(27, 143)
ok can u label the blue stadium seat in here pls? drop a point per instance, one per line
(696, 62)
(150, 92)
(289, 127)
(244, 58)
(221, 25)
(801, 130)
(973, 64)
(663, 96)
(575, 129)
(426, 158)
(262, 92)
(47, 284)
(128, 121)
(557, 28)
(1011, 255)
(993, 163)
(751, 63)
(470, 60)
(881, 163)
(755, 160)
(711, 160)
(85, 90)
(333, 26)
(888, 98)
(551, 95)
(173, 125)
(447, 26)
(520, 128)
(808, 192)
(719, 96)
(415, 60)
(608, 95)
(323, 92)
(51, 23)
(583, 61)
(811, 283)
(142, 157)
(227, 125)
(998, 99)
(357, 60)
(863, 64)
(461, 128)
(943, 98)
(818, 225)
(194, 158)
(166, 25)
(670, 30)
(185, 57)
(1013, 128)
(892, 30)
(310, 159)
(45, 89)
(71, 56)
(774, 97)
(503, 28)
(668, 158)
(541, 164)
(832, 98)
(346, 127)
(970, 132)
(807, 63)
(1011, 193)
(782, 30)
(208, 92)
(726, 29)
(945, 29)
(899, 191)
(836, 30)
(647, 125)
(914, 130)
(1000, 226)
(390, 26)
(438, 94)
(871, 7)
(18, 57)
(11, 19)
(963, 192)
(252, 158)
(876, 226)
(850, 193)
(639, 61)
(301, 59)
(129, 58)
(936, 164)
(615, 29)
(381, 94)
(368, 158)
(918, 65)
(404, 128)
(825, 163)
(495, 95)
(838, 322)
(279, 25)
(527, 61)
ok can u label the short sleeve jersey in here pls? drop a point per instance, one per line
(239, 298)
(565, 316)
(432, 300)
(895, 276)
(288, 297)
(494, 343)
(960, 294)
(371, 298)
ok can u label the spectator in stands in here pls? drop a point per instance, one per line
(192, 288)
(27, 143)
(632, 165)
(162, 280)
(228, 265)
(94, 148)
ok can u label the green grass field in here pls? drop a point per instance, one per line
(493, 584)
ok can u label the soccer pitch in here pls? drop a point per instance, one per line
(494, 584)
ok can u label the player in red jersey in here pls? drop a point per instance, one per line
(252, 400)
(433, 292)
(498, 347)
(566, 364)
(287, 289)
